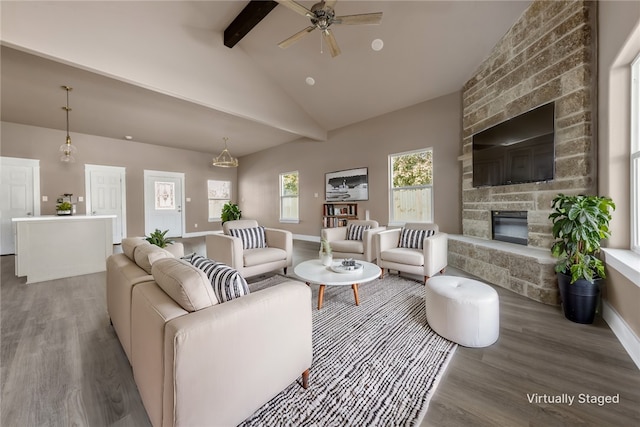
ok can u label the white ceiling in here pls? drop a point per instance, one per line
(158, 71)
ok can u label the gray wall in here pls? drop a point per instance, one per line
(434, 123)
(56, 178)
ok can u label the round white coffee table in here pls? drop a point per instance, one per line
(313, 271)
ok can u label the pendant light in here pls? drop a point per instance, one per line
(225, 160)
(67, 149)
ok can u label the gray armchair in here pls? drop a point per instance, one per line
(251, 249)
(425, 256)
(345, 246)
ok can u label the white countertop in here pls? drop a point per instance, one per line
(61, 217)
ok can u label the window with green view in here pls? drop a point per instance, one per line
(411, 189)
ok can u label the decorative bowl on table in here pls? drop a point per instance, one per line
(347, 266)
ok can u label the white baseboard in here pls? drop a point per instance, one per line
(199, 233)
(306, 238)
(622, 331)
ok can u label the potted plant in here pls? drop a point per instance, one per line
(158, 238)
(326, 256)
(64, 208)
(580, 223)
(230, 212)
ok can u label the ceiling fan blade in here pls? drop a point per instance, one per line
(294, 38)
(330, 3)
(365, 18)
(297, 8)
(331, 42)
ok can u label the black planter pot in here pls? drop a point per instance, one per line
(580, 299)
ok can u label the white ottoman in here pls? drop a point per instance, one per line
(463, 310)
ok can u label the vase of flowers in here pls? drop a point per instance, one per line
(326, 257)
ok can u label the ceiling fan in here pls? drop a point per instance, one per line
(322, 16)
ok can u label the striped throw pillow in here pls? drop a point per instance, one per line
(414, 239)
(226, 282)
(252, 238)
(354, 232)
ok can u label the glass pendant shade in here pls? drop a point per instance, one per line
(67, 150)
(225, 159)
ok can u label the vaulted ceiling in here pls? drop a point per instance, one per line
(159, 71)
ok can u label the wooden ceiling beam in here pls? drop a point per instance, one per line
(253, 13)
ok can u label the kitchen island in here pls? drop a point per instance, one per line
(54, 247)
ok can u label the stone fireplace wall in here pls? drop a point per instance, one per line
(548, 55)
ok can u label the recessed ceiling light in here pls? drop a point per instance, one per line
(377, 45)
(310, 81)
(128, 137)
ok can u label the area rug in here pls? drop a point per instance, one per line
(376, 364)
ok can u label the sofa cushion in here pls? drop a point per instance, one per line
(185, 284)
(403, 256)
(352, 246)
(129, 245)
(252, 238)
(354, 232)
(225, 281)
(146, 255)
(413, 238)
(262, 256)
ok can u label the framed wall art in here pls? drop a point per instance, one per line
(347, 185)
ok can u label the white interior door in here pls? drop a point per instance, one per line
(163, 201)
(106, 195)
(19, 196)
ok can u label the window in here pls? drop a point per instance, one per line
(289, 197)
(411, 189)
(219, 193)
(635, 155)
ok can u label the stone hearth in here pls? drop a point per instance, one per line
(525, 270)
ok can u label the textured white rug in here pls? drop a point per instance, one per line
(377, 364)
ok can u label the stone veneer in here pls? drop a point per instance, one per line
(548, 55)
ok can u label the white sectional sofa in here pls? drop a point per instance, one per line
(196, 361)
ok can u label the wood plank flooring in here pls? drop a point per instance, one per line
(62, 365)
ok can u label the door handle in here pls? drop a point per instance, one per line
(28, 213)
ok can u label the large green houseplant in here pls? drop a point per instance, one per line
(230, 212)
(580, 223)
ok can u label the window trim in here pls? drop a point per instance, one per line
(392, 220)
(634, 158)
(281, 197)
(218, 218)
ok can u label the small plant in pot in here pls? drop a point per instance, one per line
(230, 212)
(64, 208)
(158, 238)
(580, 223)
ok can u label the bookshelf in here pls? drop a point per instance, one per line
(337, 214)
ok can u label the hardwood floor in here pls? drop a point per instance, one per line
(62, 365)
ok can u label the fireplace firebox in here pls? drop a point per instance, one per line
(510, 226)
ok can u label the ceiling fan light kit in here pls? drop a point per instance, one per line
(322, 16)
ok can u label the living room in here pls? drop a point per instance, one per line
(436, 123)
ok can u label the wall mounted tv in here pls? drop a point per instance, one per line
(516, 151)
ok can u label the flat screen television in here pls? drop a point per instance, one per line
(516, 151)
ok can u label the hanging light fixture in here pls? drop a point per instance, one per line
(67, 149)
(225, 160)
